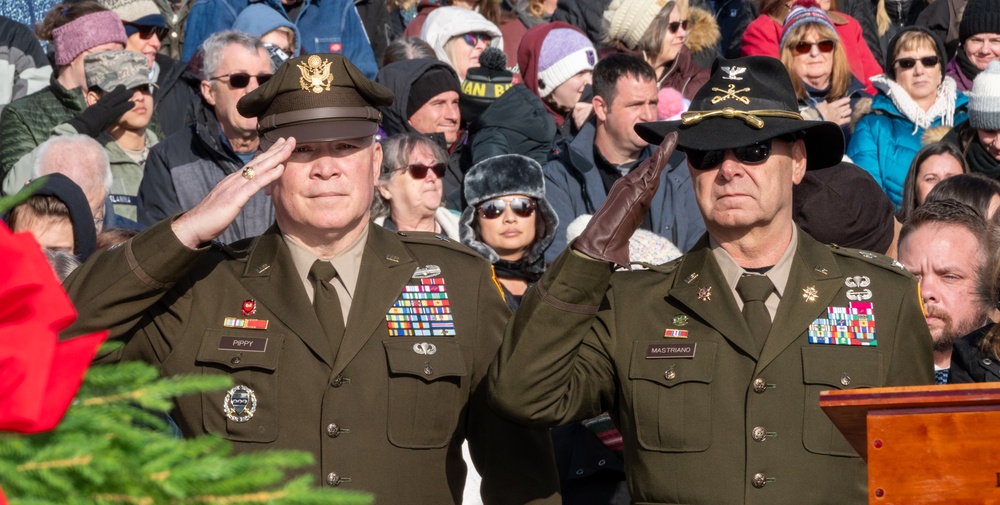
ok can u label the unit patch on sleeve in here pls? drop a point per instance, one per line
(422, 310)
(851, 325)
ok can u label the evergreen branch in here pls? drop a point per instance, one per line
(60, 463)
(122, 498)
(260, 497)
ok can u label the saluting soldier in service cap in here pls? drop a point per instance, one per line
(712, 364)
(365, 347)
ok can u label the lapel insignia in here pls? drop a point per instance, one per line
(821, 270)
(680, 320)
(809, 293)
(427, 271)
(668, 333)
(263, 268)
(422, 310)
(858, 281)
(240, 404)
(852, 325)
(249, 307)
(731, 93)
(691, 278)
(316, 75)
(705, 294)
(868, 255)
(250, 324)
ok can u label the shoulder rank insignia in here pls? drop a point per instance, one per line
(422, 310)
(316, 75)
(240, 404)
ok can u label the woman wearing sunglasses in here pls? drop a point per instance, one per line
(814, 57)
(409, 192)
(658, 35)
(763, 36)
(508, 220)
(459, 35)
(913, 96)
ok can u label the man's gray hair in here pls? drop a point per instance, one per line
(215, 45)
(78, 157)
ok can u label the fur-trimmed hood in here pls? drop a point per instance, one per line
(508, 174)
(704, 31)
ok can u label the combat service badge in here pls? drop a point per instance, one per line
(240, 404)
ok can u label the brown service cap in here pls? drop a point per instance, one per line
(315, 98)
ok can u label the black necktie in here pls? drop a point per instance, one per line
(754, 289)
(327, 303)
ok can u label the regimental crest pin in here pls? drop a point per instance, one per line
(249, 307)
(705, 294)
(240, 404)
(316, 74)
(680, 320)
(809, 293)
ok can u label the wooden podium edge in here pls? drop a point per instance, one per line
(849, 409)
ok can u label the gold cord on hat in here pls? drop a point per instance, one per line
(751, 117)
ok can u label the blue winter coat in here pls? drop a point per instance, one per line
(573, 186)
(885, 144)
(326, 26)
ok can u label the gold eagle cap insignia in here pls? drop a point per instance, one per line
(316, 75)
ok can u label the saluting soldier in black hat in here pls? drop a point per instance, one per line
(367, 348)
(712, 365)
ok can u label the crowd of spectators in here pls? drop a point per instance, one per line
(512, 119)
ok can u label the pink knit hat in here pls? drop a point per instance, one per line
(86, 32)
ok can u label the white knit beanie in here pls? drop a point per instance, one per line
(628, 20)
(443, 23)
(131, 10)
(984, 99)
(565, 52)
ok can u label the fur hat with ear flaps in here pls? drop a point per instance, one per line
(508, 174)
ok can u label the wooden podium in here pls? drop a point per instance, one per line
(924, 444)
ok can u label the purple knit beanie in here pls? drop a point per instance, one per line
(565, 52)
(86, 32)
(804, 12)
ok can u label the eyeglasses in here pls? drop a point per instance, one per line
(146, 32)
(492, 209)
(474, 38)
(677, 25)
(241, 80)
(753, 154)
(926, 61)
(825, 46)
(420, 171)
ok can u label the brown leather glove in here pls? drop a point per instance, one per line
(608, 232)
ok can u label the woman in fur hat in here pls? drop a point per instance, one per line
(508, 220)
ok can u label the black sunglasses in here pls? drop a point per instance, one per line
(420, 171)
(146, 32)
(492, 209)
(753, 154)
(677, 25)
(926, 61)
(825, 46)
(241, 80)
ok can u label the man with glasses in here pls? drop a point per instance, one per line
(364, 347)
(185, 166)
(712, 364)
(607, 147)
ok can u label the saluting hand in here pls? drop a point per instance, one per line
(216, 212)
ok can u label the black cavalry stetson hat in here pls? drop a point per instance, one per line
(748, 100)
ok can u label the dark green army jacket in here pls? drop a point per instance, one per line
(384, 414)
(706, 417)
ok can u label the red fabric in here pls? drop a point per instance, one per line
(763, 35)
(39, 375)
(423, 9)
